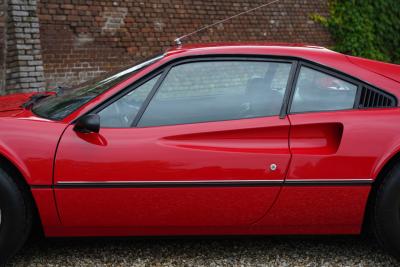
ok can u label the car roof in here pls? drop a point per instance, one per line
(317, 54)
(287, 49)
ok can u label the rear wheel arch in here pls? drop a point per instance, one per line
(385, 169)
(383, 172)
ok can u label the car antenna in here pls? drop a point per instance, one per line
(178, 40)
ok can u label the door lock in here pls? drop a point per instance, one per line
(273, 167)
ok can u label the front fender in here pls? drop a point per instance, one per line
(30, 145)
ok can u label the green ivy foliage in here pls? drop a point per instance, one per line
(365, 28)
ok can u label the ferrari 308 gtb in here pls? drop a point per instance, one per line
(224, 139)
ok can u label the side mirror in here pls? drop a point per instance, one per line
(88, 124)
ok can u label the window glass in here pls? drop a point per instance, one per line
(122, 113)
(317, 91)
(62, 104)
(217, 91)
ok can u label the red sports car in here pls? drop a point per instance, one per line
(230, 139)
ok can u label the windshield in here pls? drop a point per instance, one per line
(59, 106)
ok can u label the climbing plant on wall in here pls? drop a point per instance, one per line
(366, 28)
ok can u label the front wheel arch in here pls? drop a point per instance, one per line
(7, 166)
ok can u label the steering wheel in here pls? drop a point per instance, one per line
(127, 110)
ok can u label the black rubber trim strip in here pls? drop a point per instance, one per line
(172, 184)
(42, 187)
(359, 182)
(328, 182)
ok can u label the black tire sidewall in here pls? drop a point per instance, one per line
(387, 212)
(14, 226)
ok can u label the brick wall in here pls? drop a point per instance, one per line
(80, 39)
(24, 66)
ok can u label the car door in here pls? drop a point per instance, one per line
(200, 143)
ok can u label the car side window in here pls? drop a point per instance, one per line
(122, 113)
(218, 91)
(318, 91)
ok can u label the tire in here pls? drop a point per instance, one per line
(16, 217)
(386, 212)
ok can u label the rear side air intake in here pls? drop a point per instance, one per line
(374, 98)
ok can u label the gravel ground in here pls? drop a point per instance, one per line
(265, 251)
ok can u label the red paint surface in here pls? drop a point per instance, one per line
(47, 208)
(229, 150)
(30, 144)
(12, 104)
(367, 137)
(390, 71)
(331, 209)
(324, 146)
(164, 207)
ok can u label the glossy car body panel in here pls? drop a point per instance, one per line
(164, 207)
(30, 144)
(240, 150)
(316, 138)
(326, 162)
(367, 137)
(299, 210)
(47, 207)
(318, 210)
(390, 71)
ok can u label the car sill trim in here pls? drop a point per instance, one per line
(327, 182)
(210, 183)
(171, 184)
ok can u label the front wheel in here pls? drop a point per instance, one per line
(386, 212)
(15, 217)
